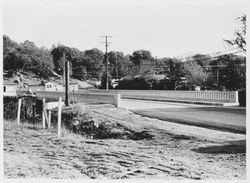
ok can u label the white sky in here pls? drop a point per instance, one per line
(167, 28)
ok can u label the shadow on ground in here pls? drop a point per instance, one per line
(234, 147)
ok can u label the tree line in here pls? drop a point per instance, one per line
(139, 70)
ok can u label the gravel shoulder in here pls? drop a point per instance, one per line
(175, 152)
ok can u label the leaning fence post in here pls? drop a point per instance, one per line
(19, 110)
(59, 116)
(43, 113)
(49, 118)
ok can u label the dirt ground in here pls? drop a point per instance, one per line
(175, 151)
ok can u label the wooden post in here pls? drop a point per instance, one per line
(25, 112)
(49, 119)
(43, 113)
(59, 116)
(66, 81)
(33, 110)
(19, 110)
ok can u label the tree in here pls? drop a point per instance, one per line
(140, 56)
(195, 74)
(71, 54)
(26, 57)
(94, 59)
(239, 35)
(234, 77)
(80, 72)
(174, 74)
(200, 59)
(104, 80)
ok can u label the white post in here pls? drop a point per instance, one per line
(49, 119)
(43, 113)
(59, 116)
(19, 110)
(117, 98)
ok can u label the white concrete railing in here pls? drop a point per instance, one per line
(178, 95)
(78, 97)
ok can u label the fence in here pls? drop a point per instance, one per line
(80, 97)
(225, 97)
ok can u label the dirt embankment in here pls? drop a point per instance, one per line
(173, 151)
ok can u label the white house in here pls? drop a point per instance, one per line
(57, 85)
(9, 88)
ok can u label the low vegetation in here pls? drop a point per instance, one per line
(160, 150)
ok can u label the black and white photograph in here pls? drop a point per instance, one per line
(124, 90)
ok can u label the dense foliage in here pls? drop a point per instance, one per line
(26, 57)
(140, 70)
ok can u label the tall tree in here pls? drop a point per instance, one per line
(175, 73)
(239, 39)
(195, 74)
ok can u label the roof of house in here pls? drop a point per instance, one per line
(60, 81)
(34, 83)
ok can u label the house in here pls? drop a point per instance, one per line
(58, 85)
(53, 85)
(9, 88)
(35, 86)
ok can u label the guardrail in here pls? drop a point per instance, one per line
(79, 97)
(224, 97)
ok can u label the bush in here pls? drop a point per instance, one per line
(86, 124)
(10, 105)
(134, 84)
(242, 97)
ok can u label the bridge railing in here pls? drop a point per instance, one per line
(175, 95)
(80, 97)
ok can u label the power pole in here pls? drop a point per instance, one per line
(66, 62)
(116, 61)
(217, 76)
(106, 57)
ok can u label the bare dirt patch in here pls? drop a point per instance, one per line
(173, 152)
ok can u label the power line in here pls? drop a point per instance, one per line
(222, 51)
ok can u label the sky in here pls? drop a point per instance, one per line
(167, 28)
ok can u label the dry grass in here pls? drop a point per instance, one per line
(30, 151)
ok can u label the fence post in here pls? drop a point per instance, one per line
(117, 98)
(59, 116)
(43, 113)
(49, 118)
(19, 110)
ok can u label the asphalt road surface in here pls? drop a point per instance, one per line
(216, 117)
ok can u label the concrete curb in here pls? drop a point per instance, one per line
(183, 101)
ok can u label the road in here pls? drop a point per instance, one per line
(216, 117)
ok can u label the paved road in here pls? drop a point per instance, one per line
(221, 118)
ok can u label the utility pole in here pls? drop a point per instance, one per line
(217, 76)
(106, 57)
(66, 62)
(116, 61)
